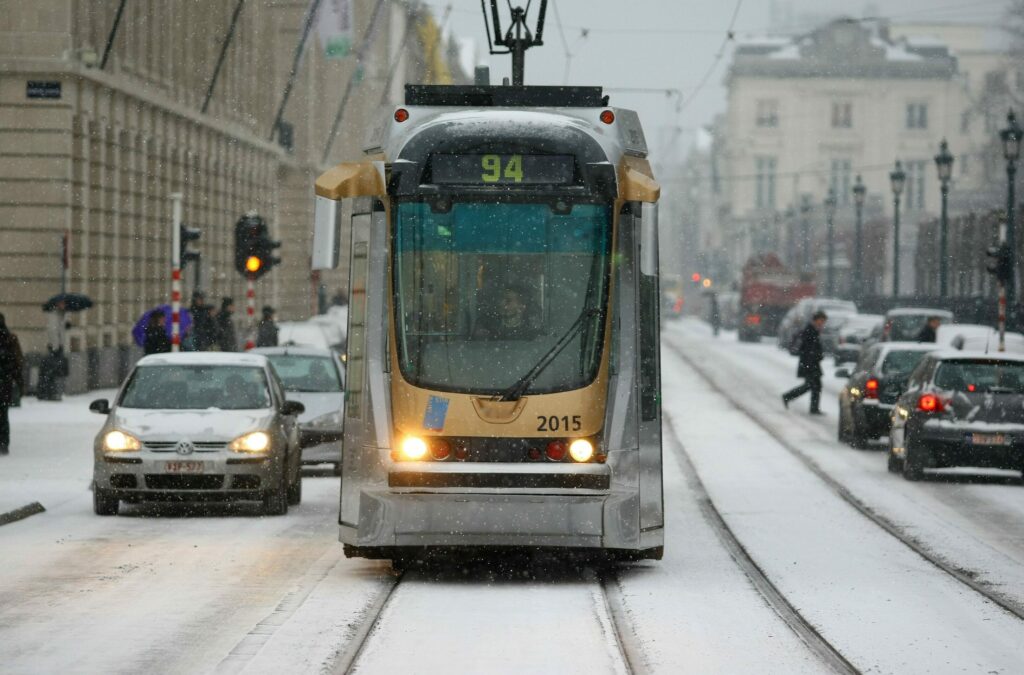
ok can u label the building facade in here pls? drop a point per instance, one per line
(99, 125)
(808, 114)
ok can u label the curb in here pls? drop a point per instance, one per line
(21, 513)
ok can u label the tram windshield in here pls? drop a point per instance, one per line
(485, 289)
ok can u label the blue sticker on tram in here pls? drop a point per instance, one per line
(437, 412)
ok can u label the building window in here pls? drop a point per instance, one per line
(764, 197)
(917, 115)
(840, 180)
(916, 171)
(768, 113)
(842, 115)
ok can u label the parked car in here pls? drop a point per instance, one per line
(196, 426)
(314, 377)
(797, 318)
(880, 376)
(302, 334)
(905, 323)
(852, 335)
(960, 409)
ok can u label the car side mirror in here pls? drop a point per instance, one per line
(292, 408)
(101, 406)
(843, 372)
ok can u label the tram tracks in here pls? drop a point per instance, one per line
(965, 577)
(800, 626)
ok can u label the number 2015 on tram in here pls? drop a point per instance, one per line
(503, 380)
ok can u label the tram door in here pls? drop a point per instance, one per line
(649, 368)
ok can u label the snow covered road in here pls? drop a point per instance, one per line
(170, 588)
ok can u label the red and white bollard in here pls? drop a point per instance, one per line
(250, 311)
(176, 212)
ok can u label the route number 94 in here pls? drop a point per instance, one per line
(559, 423)
(494, 172)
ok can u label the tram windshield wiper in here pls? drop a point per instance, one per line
(516, 391)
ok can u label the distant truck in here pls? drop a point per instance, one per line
(768, 289)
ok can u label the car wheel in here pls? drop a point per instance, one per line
(857, 438)
(913, 466)
(103, 504)
(841, 426)
(275, 500)
(295, 492)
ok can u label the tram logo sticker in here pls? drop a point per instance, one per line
(436, 413)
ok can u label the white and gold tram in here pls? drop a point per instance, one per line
(503, 368)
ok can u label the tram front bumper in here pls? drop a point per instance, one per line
(563, 505)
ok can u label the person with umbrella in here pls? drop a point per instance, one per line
(11, 376)
(141, 329)
(155, 339)
(54, 366)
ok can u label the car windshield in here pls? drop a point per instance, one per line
(901, 362)
(485, 290)
(303, 373)
(906, 327)
(197, 387)
(981, 376)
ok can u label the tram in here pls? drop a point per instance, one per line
(503, 383)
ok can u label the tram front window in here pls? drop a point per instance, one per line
(485, 290)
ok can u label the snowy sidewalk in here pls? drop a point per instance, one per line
(51, 451)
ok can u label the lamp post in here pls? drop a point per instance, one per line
(897, 179)
(805, 230)
(830, 212)
(944, 165)
(859, 192)
(1011, 137)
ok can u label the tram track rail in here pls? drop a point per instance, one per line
(805, 631)
(965, 577)
(347, 657)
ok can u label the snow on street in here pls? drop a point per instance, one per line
(219, 588)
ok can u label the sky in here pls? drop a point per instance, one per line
(674, 45)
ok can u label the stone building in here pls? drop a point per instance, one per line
(98, 126)
(809, 113)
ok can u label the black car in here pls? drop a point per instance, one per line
(878, 379)
(960, 409)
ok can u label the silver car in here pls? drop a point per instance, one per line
(196, 426)
(314, 377)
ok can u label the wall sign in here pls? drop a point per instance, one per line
(42, 89)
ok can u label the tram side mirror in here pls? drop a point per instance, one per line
(326, 234)
(649, 239)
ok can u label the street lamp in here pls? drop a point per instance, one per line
(859, 192)
(1011, 137)
(805, 227)
(897, 179)
(830, 212)
(944, 164)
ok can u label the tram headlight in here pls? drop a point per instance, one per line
(413, 448)
(581, 450)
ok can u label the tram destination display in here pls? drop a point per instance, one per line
(502, 169)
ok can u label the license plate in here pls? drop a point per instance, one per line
(184, 467)
(990, 439)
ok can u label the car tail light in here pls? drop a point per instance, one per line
(753, 319)
(930, 403)
(556, 450)
(871, 388)
(440, 449)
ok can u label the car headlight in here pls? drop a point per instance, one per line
(331, 419)
(119, 441)
(256, 441)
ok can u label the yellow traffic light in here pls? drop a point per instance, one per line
(253, 264)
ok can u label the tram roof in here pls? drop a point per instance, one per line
(504, 96)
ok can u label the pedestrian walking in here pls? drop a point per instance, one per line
(811, 354)
(266, 330)
(11, 376)
(225, 326)
(716, 314)
(203, 334)
(929, 332)
(156, 340)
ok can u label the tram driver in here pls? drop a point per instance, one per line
(513, 318)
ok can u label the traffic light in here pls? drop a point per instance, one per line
(187, 234)
(253, 247)
(1000, 262)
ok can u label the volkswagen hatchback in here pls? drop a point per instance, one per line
(198, 426)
